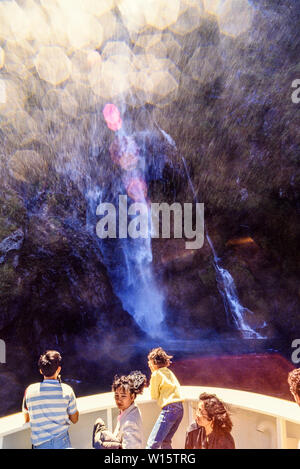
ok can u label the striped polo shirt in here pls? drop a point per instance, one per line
(49, 405)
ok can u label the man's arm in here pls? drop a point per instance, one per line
(72, 408)
(74, 417)
(25, 409)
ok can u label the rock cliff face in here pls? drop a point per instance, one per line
(219, 89)
(55, 293)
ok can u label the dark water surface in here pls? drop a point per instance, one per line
(252, 365)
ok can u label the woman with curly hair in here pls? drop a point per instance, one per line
(212, 426)
(294, 383)
(128, 433)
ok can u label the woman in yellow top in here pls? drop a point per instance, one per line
(164, 388)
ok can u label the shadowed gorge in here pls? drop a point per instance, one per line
(199, 96)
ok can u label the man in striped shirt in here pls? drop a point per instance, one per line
(50, 406)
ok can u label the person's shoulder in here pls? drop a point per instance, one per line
(136, 410)
(226, 439)
(133, 410)
(169, 373)
(33, 387)
(193, 427)
(132, 415)
(164, 370)
(67, 389)
(230, 439)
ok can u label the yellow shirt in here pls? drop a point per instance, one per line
(164, 387)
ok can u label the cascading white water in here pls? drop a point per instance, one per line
(128, 261)
(225, 282)
(228, 291)
(129, 265)
(130, 268)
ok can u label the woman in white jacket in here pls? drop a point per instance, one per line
(129, 429)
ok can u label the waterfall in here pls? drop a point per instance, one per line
(129, 265)
(228, 291)
(227, 288)
(128, 260)
(225, 282)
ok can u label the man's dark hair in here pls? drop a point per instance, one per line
(49, 362)
(159, 357)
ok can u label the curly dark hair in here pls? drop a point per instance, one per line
(160, 357)
(294, 381)
(134, 382)
(216, 411)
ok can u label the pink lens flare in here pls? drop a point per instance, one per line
(124, 152)
(112, 117)
(137, 189)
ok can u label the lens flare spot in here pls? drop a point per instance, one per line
(24, 124)
(53, 65)
(162, 14)
(97, 7)
(84, 31)
(14, 24)
(212, 6)
(40, 30)
(2, 57)
(137, 190)
(205, 65)
(125, 152)
(187, 22)
(147, 40)
(133, 14)
(235, 17)
(159, 83)
(116, 48)
(110, 26)
(2, 92)
(94, 68)
(83, 64)
(19, 59)
(115, 77)
(112, 117)
(13, 98)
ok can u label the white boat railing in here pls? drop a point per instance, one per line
(259, 421)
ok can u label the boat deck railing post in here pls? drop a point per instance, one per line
(109, 419)
(281, 433)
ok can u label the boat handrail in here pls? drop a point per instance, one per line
(281, 409)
